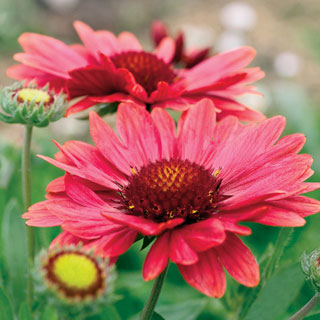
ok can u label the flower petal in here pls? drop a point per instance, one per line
(239, 261)
(157, 257)
(206, 275)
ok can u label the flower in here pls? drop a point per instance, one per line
(31, 105)
(188, 59)
(187, 190)
(108, 69)
(76, 275)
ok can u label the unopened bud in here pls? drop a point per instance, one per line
(31, 105)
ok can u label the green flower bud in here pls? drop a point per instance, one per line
(31, 105)
(310, 264)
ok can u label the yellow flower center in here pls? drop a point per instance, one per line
(74, 270)
(36, 95)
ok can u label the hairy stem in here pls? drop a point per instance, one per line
(26, 193)
(154, 295)
(306, 308)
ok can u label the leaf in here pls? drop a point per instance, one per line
(24, 312)
(5, 306)
(315, 316)
(157, 316)
(277, 295)
(14, 250)
(110, 313)
(188, 310)
(49, 313)
(146, 241)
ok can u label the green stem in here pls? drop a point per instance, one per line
(154, 295)
(26, 194)
(306, 308)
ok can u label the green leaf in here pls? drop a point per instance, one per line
(5, 306)
(315, 316)
(14, 250)
(146, 241)
(110, 313)
(49, 313)
(157, 316)
(188, 310)
(277, 295)
(24, 312)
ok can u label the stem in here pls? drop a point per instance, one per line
(154, 295)
(26, 194)
(306, 308)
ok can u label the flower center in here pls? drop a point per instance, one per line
(74, 273)
(147, 69)
(169, 189)
(29, 94)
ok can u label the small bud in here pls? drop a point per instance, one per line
(31, 105)
(310, 264)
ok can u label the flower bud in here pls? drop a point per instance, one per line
(31, 105)
(310, 264)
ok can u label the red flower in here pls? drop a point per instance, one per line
(187, 59)
(108, 69)
(189, 189)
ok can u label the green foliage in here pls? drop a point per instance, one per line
(278, 293)
(5, 306)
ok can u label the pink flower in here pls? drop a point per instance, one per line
(109, 69)
(188, 58)
(187, 188)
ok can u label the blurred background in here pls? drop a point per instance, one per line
(286, 35)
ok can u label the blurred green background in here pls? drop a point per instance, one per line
(286, 35)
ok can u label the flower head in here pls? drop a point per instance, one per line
(75, 274)
(187, 58)
(108, 69)
(187, 189)
(31, 105)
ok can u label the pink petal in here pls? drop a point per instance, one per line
(195, 130)
(206, 275)
(216, 67)
(66, 239)
(116, 243)
(39, 216)
(158, 31)
(165, 50)
(139, 133)
(128, 42)
(109, 144)
(239, 261)
(157, 258)
(167, 130)
(144, 226)
(180, 251)
(204, 235)
(81, 194)
(97, 42)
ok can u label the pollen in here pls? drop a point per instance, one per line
(167, 189)
(146, 68)
(36, 95)
(74, 273)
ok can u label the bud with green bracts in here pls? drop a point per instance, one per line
(310, 264)
(31, 105)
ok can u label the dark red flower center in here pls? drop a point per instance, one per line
(168, 189)
(146, 67)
